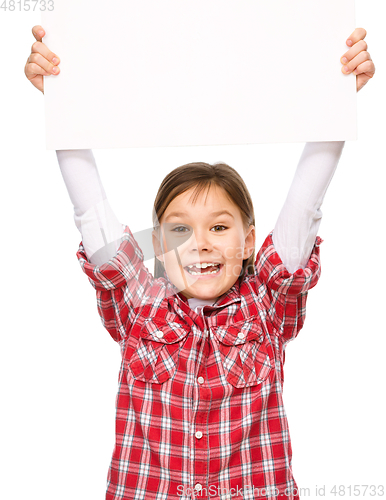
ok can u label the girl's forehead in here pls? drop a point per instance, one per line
(208, 199)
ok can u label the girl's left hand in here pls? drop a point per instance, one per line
(357, 60)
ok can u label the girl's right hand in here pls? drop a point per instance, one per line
(41, 62)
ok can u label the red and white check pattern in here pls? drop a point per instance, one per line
(200, 410)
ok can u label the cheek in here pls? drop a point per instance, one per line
(240, 254)
(170, 261)
(233, 249)
(170, 258)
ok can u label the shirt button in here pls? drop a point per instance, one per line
(200, 380)
(198, 434)
(241, 335)
(159, 334)
(198, 487)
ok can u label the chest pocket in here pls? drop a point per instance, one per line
(247, 358)
(156, 355)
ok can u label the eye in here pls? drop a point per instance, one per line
(224, 227)
(180, 229)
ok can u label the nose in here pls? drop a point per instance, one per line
(201, 241)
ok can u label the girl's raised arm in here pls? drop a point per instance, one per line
(100, 229)
(299, 220)
(295, 231)
(108, 254)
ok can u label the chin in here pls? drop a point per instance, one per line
(204, 294)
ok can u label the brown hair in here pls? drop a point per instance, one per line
(203, 175)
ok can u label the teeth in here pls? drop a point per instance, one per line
(202, 274)
(203, 265)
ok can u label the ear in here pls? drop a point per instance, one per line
(249, 246)
(157, 245)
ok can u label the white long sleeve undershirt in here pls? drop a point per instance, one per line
(294, 233)
(299, 220)
(100, 229)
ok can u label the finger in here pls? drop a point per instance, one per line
(366, 68)
(37, 60)
(38, 32)
(361, 81)
(354, 51)
(33, 69)
(41, 48)
(356, 35)
(354, 63)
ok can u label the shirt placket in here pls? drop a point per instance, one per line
(200, 420)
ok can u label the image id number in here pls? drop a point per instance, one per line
(358, 490)
(12, 5)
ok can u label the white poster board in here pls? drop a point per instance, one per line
(198, 72)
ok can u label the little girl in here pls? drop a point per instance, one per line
(199, 408)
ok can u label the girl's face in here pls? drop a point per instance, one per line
(210, 231)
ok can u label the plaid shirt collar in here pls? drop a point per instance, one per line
(230, 297)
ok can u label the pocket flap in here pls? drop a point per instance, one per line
(163, 331)
(240, 331)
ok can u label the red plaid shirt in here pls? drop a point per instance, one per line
(200, 409)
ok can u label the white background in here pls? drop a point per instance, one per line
(59, 367)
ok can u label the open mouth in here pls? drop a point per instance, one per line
(203, 269)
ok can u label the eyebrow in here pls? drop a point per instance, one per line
(213, 214)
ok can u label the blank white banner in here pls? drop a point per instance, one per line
(203, 72)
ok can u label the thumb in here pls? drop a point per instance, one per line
(38, 32)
